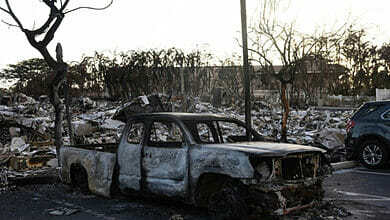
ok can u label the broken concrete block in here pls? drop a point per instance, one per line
(176, 217)
(14, 131)
(3, 178)
(145, 100)
(57, 212)
(18, 144)
(53, 163)
(82, 129)
(112, 124)
(61, 211)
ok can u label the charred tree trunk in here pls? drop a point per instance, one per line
(57, 103)
(68, 114)
(286, 112)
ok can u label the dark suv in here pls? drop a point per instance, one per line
(368, 134)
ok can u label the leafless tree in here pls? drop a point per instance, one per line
(283, 52)
(40, 38)
(273, 44)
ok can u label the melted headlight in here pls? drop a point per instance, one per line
(263, 169)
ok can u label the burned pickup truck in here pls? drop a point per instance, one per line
(201, 159)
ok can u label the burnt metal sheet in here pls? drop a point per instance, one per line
(233, 163)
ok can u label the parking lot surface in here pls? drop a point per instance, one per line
(365, 193)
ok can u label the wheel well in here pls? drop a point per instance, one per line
(78, 174)
(373, 137)
(207, 184)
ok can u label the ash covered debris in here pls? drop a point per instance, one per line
(324, 129)
(26, 140)
(322, 210)
(96, 117)
(142, 104)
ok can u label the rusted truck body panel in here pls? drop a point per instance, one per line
(99, 166)
(181, 163)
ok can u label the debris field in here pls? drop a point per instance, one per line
(27, 126)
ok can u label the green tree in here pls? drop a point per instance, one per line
(358, 54)
(31, 76)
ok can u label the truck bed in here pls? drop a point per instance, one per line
(98, 161)
(104, 147)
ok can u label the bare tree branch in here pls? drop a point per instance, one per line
(91, 8)
(50, 33)
(3, 9)
(14, 16)
(64, 6)
(9, 24)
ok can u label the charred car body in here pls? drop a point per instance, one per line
(201, 159)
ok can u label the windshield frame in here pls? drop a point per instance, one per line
(191, 125)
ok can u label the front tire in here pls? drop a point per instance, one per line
(373, 154)
(225, 203)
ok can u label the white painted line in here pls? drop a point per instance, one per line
(365, 215)
(371, 211)
(362, 196)
(385, 174)
(356, 199)
(360, 199)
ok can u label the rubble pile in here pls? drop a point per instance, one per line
(93, 122)
(324, 129)
(3, 179)
(323, 210)
(25, 140)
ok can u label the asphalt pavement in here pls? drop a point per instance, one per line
(365, 193)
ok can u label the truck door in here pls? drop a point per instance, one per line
(164, 161)
(129, 156)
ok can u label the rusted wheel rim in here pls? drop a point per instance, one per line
(372, 154)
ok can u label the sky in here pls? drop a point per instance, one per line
(213, 25)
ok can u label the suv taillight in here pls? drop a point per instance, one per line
(350, 125)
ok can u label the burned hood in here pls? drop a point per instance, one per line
(266, 148)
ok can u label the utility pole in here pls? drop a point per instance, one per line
(247, 82)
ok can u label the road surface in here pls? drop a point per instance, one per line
(365, 194)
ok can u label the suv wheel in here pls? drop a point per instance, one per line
(373, 154)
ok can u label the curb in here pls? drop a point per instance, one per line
(344, 165)
(32, 180)
(49, 176)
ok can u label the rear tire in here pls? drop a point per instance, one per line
(373, 154)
